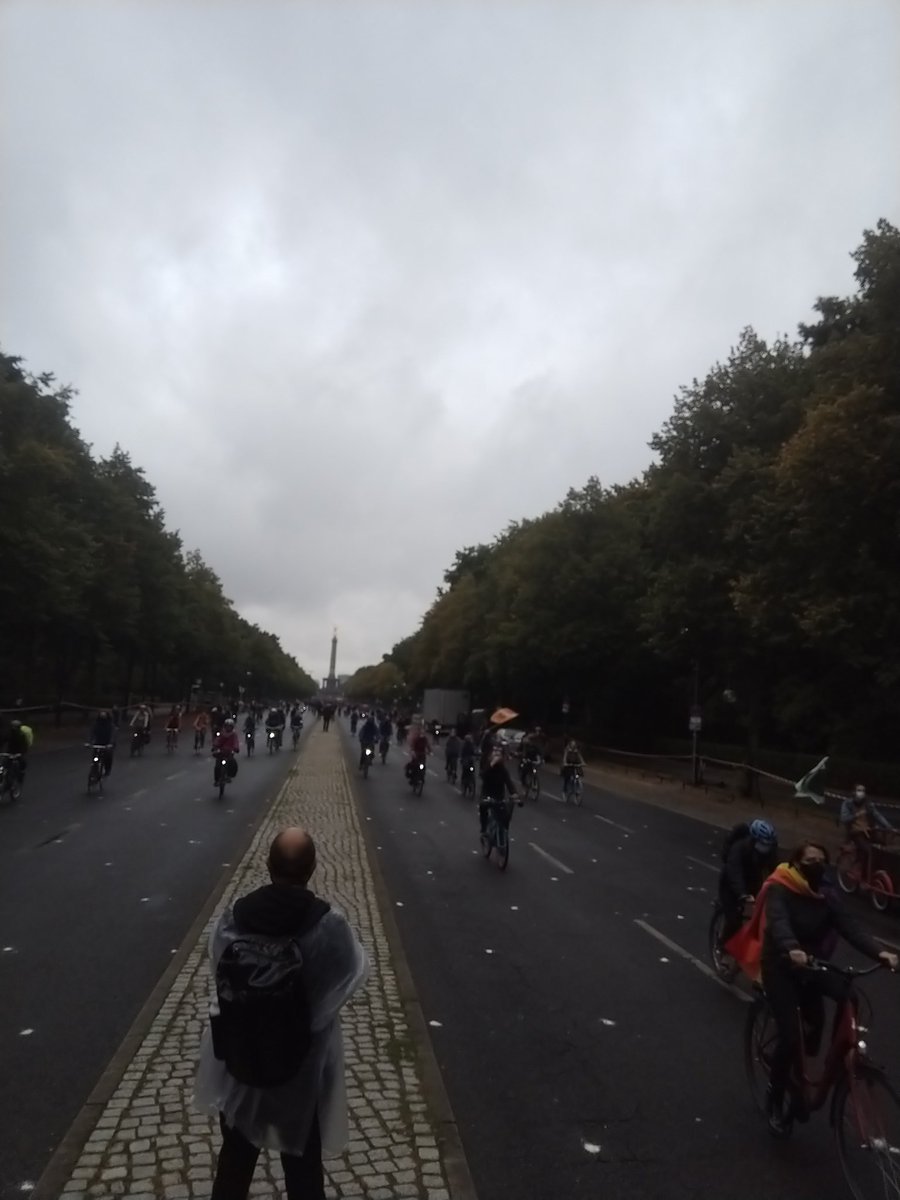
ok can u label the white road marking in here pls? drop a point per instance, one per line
(700, 863)
(177, 775)
(615, 824)
(139, 792)
(550, 859)
(688, 957)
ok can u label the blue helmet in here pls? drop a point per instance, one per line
(763, 831)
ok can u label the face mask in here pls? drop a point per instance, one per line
(762, 847)
(813, 873)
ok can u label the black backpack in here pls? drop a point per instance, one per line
(262, 1032)
(741, 830)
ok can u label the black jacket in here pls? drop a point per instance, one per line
(279, 910)
(795, 922)
(497, 783)
(746, 870)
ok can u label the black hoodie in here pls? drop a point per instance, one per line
(279, 910)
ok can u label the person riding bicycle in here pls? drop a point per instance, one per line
(452, 751)
(860, 819)
(571, 761)
(497, 788)
(529, 755)
(386, 728)
(749, 860)
(18, 744)
(296, 719)
(227, 743)
(173, 721)
(103, 733)
(201, 726)
(140, 722)
(354, 721)
(796, 919)
(250, 725)
(275, 722)
(368, 737)
(486, 746)
(419, 749)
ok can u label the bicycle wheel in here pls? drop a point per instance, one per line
(847, 869)
(537, 785)
(865, 1114)
(419, 786)
(760, 1036)
(486, 844)
(577, 791)
(502, 843)
(882, 892)
(94, 779)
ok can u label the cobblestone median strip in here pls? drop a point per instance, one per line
(149, 1143)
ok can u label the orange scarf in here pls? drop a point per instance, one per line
(745, 947)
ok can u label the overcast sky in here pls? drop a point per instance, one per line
(359, 284)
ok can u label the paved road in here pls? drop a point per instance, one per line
(95, 895)
(583, 1052)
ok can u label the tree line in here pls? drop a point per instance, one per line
(99, 601)
(754, 567)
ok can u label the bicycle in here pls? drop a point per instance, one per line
(383, 750)
(199, 740)
(854, 872)
(221, 775)
(468, 779)
(496, 832)
(531, 779)
(723, 964)
(417, 777)
(250, 739)
(573, 786)
(365, 761)
(139, 739)
(10, 778)
(171, 741)
(97, 769)
(452, 770)
(865, 1108)
(295, 737)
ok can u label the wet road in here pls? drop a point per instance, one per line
(96, 893)
(585, 1051)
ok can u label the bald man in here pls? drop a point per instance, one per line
(271, 1060)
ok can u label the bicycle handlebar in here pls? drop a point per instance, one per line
(816, 964)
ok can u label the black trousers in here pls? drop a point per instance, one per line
(795, 996)
(304, 1177)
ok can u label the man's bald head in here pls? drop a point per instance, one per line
(292, 857)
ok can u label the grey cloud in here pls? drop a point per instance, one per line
(359, 284)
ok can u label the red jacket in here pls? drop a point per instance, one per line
(228, 743)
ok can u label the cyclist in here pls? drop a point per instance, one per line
(571, 762)
(860, 819)
(250, 729)
(18, 743)
(228, 743)
(275, 721)
(173, 722)
(496, 788)
(354, 720)
(140, 722)
(103, 734)
(296, 720)
(796, 919)
(201, 725)
(452, 751)
(419, 747)
(751, 855)
(368, 737)
(529, 755)
(386, 732)
(486, 746)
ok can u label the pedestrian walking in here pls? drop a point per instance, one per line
(271, 1059)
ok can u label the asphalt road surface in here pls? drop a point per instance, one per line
(585, 1051)
(96, 893)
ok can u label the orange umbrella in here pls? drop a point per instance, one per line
(503, 716)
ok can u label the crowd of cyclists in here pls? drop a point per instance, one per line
(215, 724)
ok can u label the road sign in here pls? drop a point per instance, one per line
(696, 723)
(565, 708)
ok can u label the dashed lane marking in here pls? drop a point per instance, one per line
(702, 967)
(550, 859)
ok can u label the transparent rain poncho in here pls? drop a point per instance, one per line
(280, 1118)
